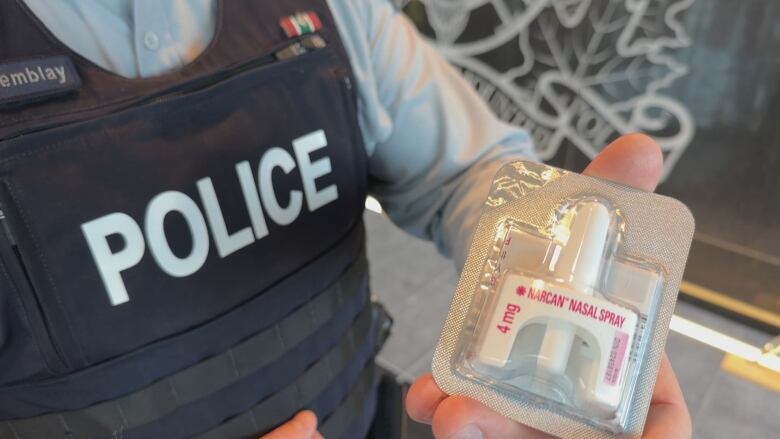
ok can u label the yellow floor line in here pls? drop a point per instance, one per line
(729, 303)
(751, 371)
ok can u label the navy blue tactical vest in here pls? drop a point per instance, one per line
(183, 255)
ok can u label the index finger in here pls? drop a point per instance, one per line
(668, 416)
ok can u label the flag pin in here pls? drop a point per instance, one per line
(301, 23)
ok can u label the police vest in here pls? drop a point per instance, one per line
(183, 255)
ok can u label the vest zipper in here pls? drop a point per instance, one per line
(20, 277)
(7, 228)
(198, 84)
(287, 52)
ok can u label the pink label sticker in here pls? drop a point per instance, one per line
(616, 357)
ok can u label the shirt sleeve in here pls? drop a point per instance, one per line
(434, 145)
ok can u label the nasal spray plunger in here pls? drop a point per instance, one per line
(578, 265)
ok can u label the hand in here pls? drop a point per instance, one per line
(633, 160)
(302, 426)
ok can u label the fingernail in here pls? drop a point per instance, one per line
(470, 431)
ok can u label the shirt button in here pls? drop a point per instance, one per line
(151, 41)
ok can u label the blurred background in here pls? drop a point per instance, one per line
(703, 78)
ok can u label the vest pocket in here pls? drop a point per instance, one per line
(143, 224)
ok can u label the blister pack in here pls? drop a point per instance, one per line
(561, 313)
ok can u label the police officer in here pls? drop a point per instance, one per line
(182, 189)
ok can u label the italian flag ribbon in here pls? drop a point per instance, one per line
(301, 23)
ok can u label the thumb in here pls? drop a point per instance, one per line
(302, 426)
(633, 160)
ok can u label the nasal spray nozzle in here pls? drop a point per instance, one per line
(577, 264)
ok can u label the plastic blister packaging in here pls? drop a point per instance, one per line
(561, 313)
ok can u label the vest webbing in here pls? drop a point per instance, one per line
(201, 380)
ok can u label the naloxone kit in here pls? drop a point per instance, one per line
(560, 317)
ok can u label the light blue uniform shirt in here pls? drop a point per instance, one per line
(433, 143)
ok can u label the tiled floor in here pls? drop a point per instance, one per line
(416, 284)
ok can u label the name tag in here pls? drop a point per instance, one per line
(37, 78)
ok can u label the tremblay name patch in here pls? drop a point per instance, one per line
(37, 78)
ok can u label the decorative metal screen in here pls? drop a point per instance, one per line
(701, 76)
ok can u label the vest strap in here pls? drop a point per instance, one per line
(262, 417)
(354, 412)
(338, 423)
(202, 379)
